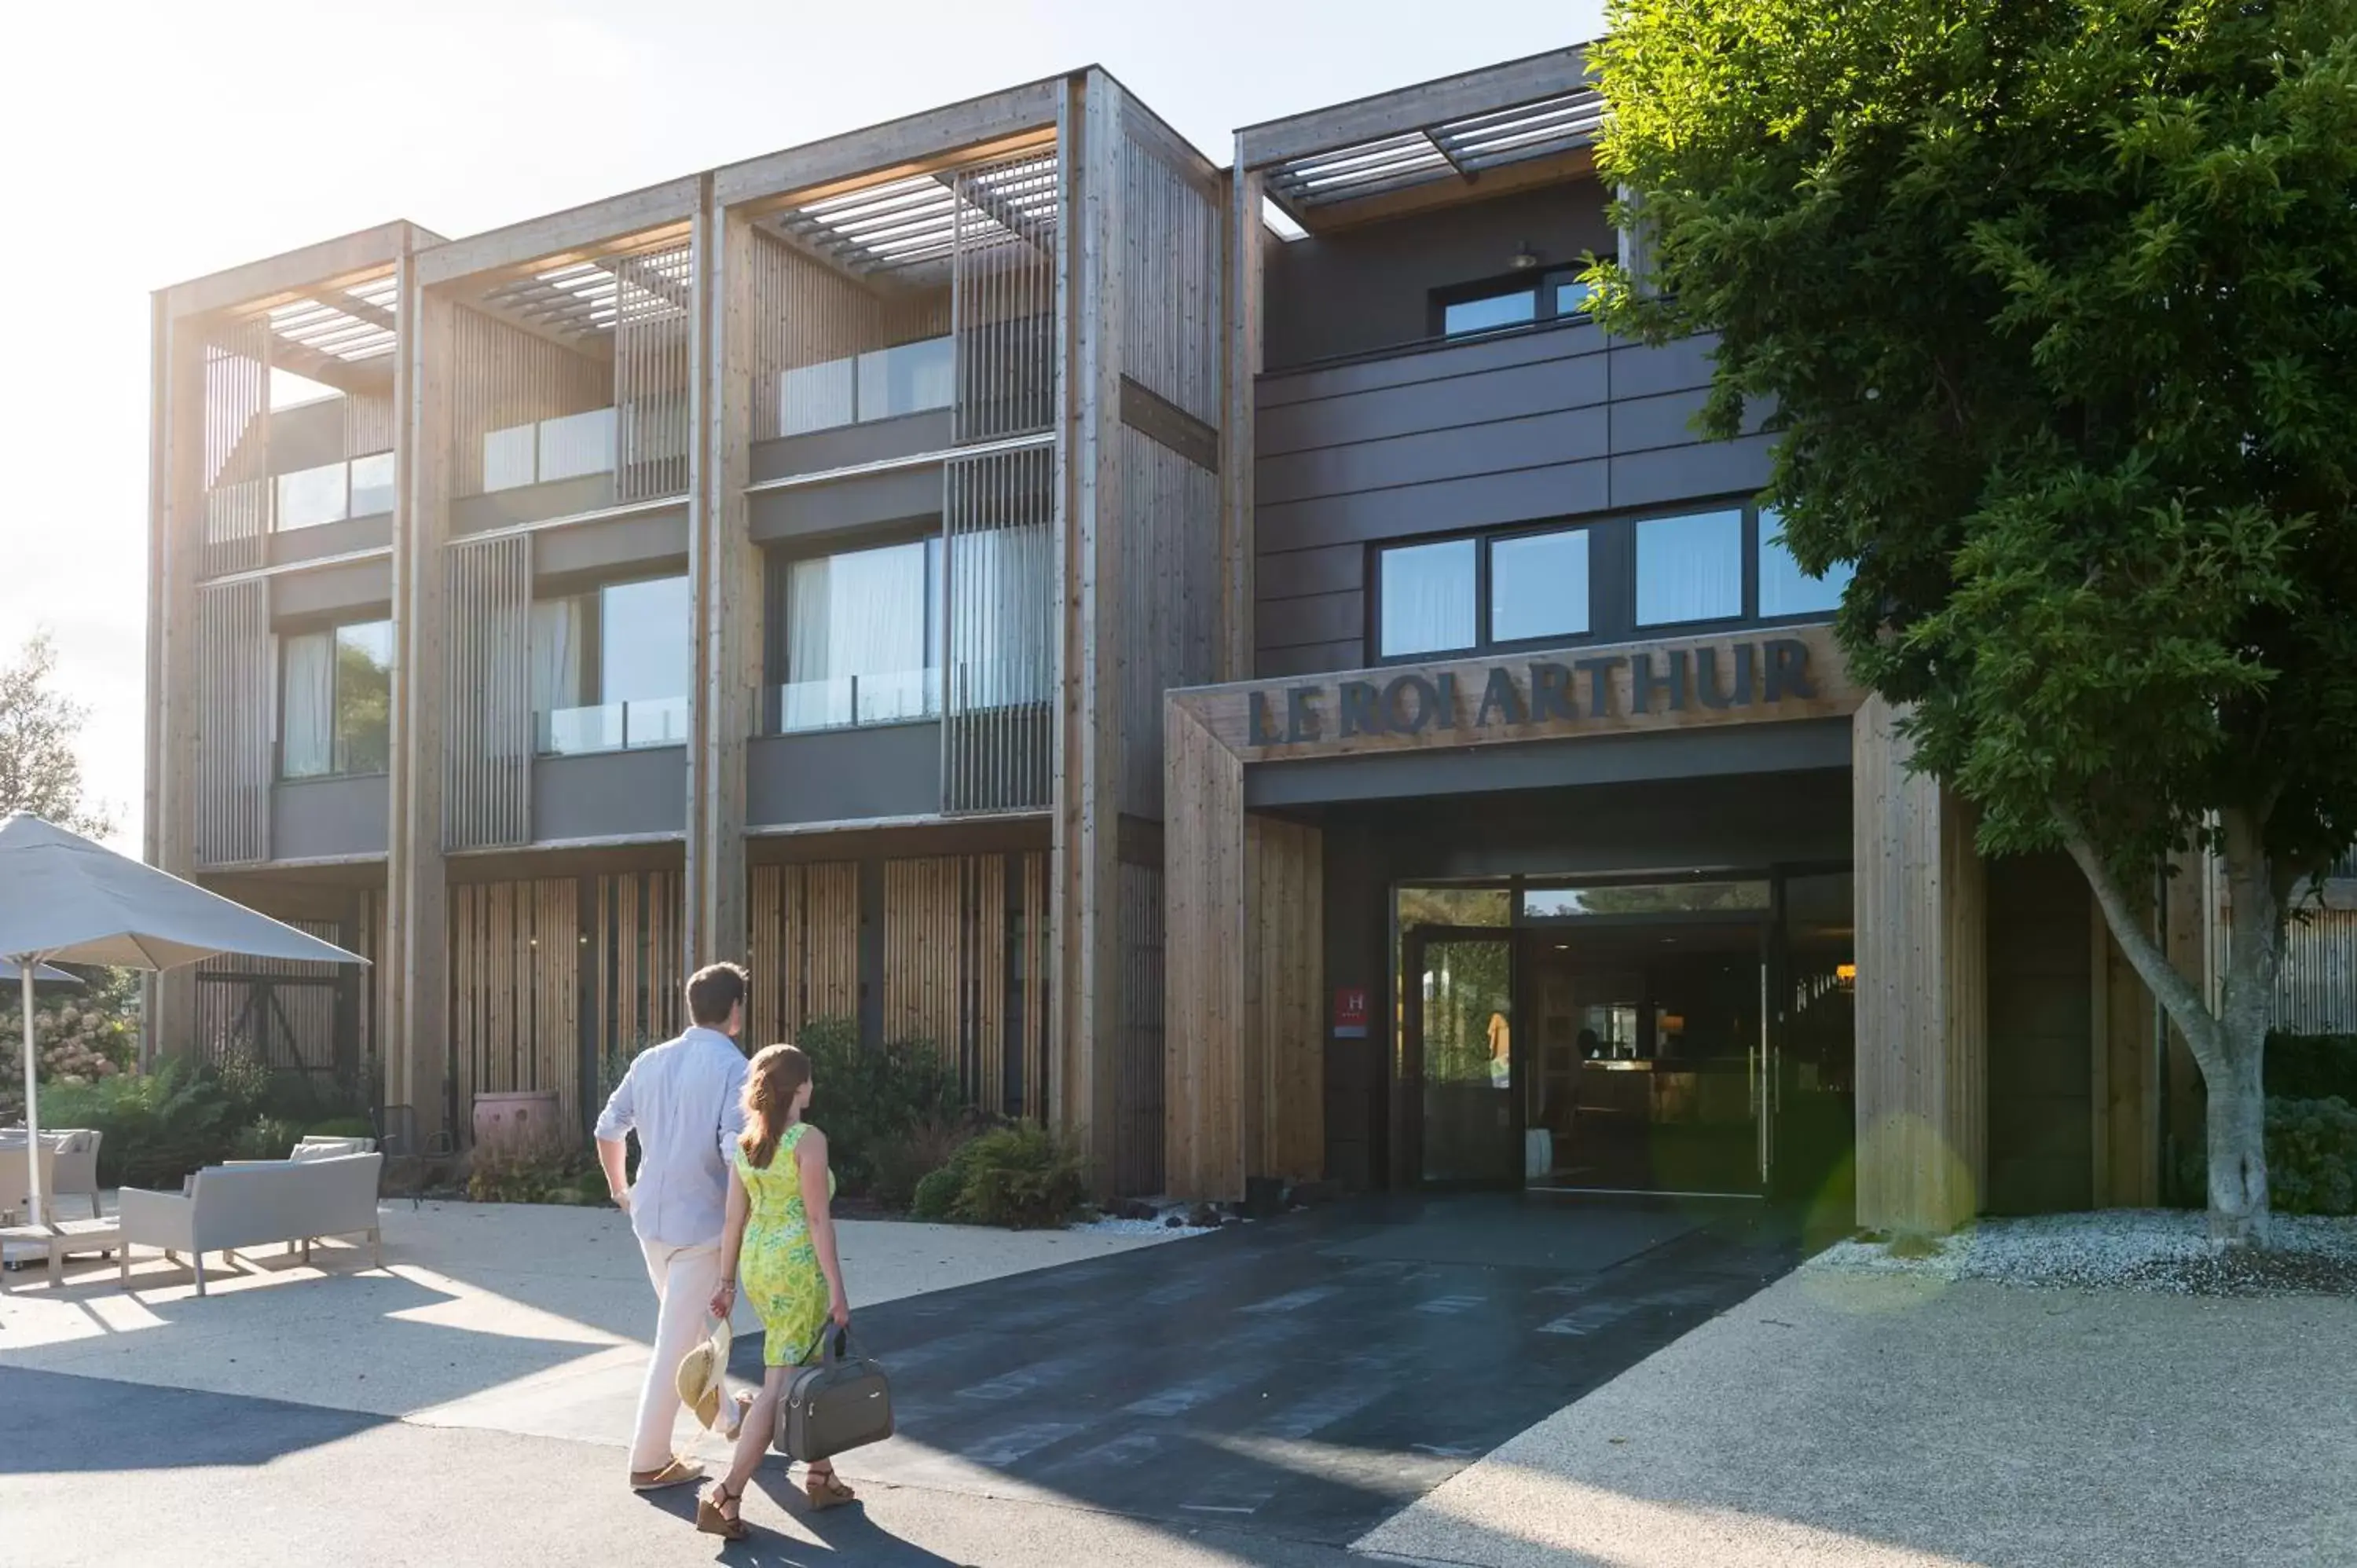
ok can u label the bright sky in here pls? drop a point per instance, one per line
(153, 142)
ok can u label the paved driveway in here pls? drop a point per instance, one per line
(1304, 1377)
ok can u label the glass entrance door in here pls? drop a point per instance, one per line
(1459, 986)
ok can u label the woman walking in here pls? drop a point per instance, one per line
(779, 1239)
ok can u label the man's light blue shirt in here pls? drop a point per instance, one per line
(685, 1100)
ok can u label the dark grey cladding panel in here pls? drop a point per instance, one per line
(309, 435)
(1310, 659)
(351, 592)
(1317, 617)
(372, 532)
(1683, 473)
(318, 818)
(844, 775)
(847, 446)
(532, 503)
(1440, 361)
(1287, 574)
(1513, 392)
(609, 794)
(1645, 423)
(1641, 371)
(1792, 746)
(1479, 501)
(1525, 443)
(612, 548)
(843, 506)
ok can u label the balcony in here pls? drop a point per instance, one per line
(882, 384)
(612, 727)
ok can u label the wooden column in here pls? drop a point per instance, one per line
(725, 570)
(1246, 237)
(1088, 776)
(416, 981)
(176, 528)
(1243, 932)
(1922, 1016)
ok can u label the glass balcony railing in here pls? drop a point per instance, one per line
(550, 449)
(883, 384)
(332, 492)
(613, 726)
(877, 698)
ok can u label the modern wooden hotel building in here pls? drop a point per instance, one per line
(1230, 656)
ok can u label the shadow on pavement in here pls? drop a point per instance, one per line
(52, 1422)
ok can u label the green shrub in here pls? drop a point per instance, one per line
(906, 1160)
(341, 1127)
(2313, 1155)
(937, 1194)
(158, 1126)
(539, 1174)
(2311, 1066)
(868, 1098)
(266, 1138)
(1018, 1178)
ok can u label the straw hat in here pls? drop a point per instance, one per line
(703, 1370)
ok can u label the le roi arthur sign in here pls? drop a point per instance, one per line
(1785, 672)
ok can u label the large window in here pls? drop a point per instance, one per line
(610, 667)
(1428, 597)
(1538, 585)
(863, 637)
(1531, 297)
(1784, 588)
(1690, 568)
(335, 700)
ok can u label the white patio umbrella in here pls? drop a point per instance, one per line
(63, 896)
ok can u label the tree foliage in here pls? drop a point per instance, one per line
(40, 770)
(2055, 306)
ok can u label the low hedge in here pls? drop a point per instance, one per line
(2311, 1158)
(2311, 1066)
(1017, 1178)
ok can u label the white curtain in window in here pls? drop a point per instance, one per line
(1004, 618)
(555, 662)
(1689, 568)
(1427, 597)
(307, 710)
(855, 639)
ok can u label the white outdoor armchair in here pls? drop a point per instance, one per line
(69, 1168)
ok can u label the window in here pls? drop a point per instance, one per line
(335, 701)
(332, 492)
(610, 669)
(1428, 598)
(863, 637)
(1553, 295)
(1784, 588)
(1538, 585)
(1690, 568)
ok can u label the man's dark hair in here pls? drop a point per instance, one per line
(713, 992)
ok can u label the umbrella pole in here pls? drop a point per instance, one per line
(25, 967)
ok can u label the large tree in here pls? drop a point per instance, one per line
(40, 769)
(2054, 305)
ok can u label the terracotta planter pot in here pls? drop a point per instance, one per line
(519, 1123)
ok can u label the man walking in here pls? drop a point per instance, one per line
(683, 1099)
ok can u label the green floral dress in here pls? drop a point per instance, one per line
(778, 1270)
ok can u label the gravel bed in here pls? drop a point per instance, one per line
(1157, 1228)
(2123, 1248)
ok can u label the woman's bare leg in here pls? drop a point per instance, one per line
(761, 1425)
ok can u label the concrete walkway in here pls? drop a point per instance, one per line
(1899, 1422)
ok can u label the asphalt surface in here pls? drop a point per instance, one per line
(1264, 1396)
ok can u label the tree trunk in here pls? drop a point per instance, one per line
(2229, 1045)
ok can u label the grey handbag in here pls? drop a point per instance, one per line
(838, 1403)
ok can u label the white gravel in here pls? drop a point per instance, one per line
(2136, 1249)
(1154, 1228)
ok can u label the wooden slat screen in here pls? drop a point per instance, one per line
(367, 424)
(514, 993)
(235, 692)
(281, 1012)
(652, 352)
(1139, 1068)
(501, 377)
(952, 942)
(1003, 297)
(804, 948)
(1027, 1091)
(634, 943)
(1283, 985)
(2315, 991)
(488, 742)
(998, 522)
(236, 445)
(806, 313)
(924, 952)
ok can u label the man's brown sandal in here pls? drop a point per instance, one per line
(719, 1518)
(676, 1472)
